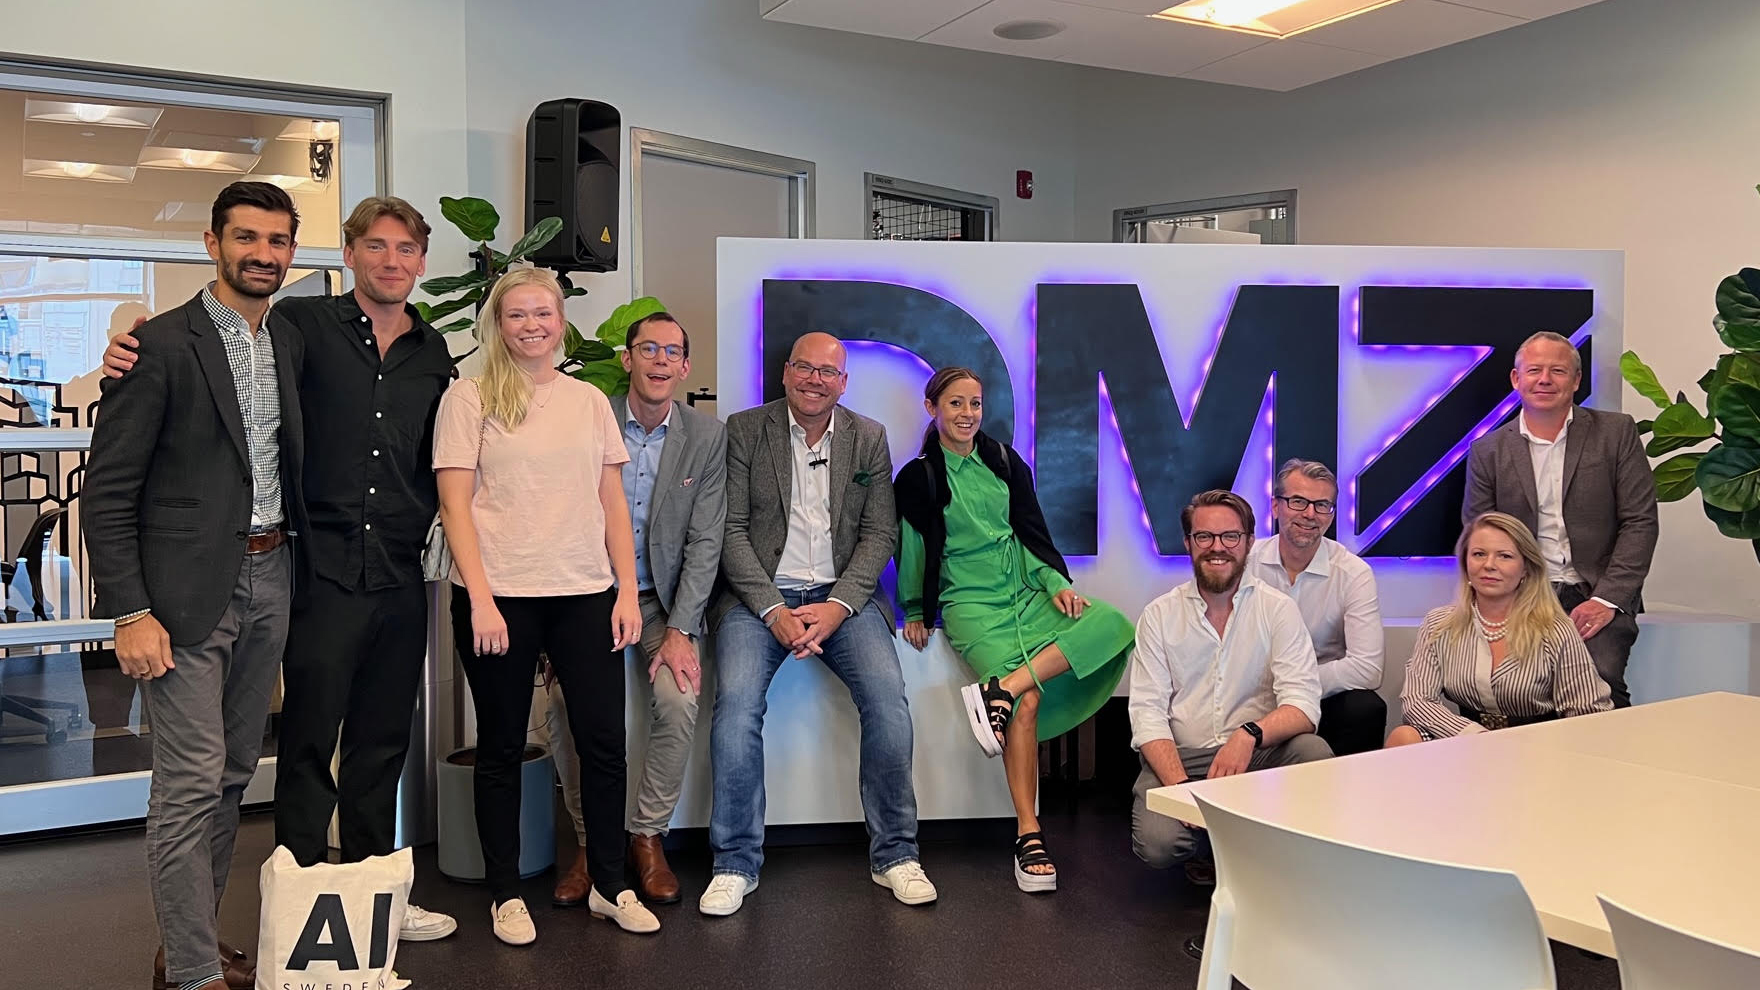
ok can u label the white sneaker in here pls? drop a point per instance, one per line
(727, 891)
(628, 912)
(513, 923)
(908, 882)
(425, 926)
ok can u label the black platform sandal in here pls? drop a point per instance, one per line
(1029, 850)
(989, 709)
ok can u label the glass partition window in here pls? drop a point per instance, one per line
(152, 169)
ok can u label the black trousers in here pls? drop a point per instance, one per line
(1353, 721)
(353, 668)
(1611, 647)
(574, 631)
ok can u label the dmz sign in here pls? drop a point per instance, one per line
(1205, 364)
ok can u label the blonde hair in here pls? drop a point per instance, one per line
(505, 387)
(1535, 612)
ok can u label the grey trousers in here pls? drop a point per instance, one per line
(207, 717)
(1161, 841)
(672, 727)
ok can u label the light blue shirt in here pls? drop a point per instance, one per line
(638, 485)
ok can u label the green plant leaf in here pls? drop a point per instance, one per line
(1729, 477)
(616, 326)
(465, 323)
(475, 218)
(571, 338)
(453, 305)
(1738, 525)
(1635, 371)
(1666, 445)
(542, 233)
(1645, 426)
(608, 376)
(452, 283)
(590, 350)
(1676, 478)
(1741, 336)
(1737, 406)
(1682, 421)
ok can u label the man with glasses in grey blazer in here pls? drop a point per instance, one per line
(810, 526)
(675, 483)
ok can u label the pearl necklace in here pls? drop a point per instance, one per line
(1492, 631)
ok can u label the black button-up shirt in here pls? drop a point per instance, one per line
(369, 477)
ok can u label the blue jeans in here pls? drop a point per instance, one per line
(861, 654)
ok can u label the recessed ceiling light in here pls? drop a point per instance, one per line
(45, 169)
(1028, 30)
(102, 114)
(1268, 18)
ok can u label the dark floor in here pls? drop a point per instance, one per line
(80, 905)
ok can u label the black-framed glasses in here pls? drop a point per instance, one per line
(651, 350)
(1204, 539)
(825, 373)
(1296, 503)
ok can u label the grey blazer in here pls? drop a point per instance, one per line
(760, 477)
(1609, 497)
(167, 493)
(688, 513)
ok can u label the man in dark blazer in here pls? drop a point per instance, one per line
(192, 511)
(675, 484)
(810, 525)
(1579, 479)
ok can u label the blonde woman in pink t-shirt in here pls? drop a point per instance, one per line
(531, 497)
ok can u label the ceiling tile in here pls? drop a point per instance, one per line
(1530, 9)
(909, 19)
(766, 6)
(1140, 7)
(1284, 65)
(1135, 43)
(1410, 27)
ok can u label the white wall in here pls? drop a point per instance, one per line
(713, 70)
(1628, 124)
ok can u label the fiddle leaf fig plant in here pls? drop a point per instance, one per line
(1727, 474)
(593, 359)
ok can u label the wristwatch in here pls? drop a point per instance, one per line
(1257, 733)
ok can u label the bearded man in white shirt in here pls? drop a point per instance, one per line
(1335, 590)
(1223, 677)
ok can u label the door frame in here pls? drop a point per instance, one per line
(642, 142)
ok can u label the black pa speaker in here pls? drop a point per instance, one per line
(571, 174)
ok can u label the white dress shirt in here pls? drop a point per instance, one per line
(807, 560)
(1196, 688)
(1555, 542)
(1336, 594)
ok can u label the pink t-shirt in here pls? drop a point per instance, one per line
(536, 503)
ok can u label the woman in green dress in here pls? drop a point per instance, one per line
(974, 551)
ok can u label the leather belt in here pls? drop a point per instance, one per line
(265, 541)
(1491, 720)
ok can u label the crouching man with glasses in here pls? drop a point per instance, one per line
(1223, 678)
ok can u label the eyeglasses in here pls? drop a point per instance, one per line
(1204, 539)
(1296, 503)
(651, 350)
(824, 374)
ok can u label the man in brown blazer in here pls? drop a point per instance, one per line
(1579, 479)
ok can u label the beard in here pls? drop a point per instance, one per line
(1210, 582)
(234, 274)
(1301, 538)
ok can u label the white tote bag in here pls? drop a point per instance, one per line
(331, 926)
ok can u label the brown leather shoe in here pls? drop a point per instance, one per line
(236, 973)
(573, 884)
(655, 880)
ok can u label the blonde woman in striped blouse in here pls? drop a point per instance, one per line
(1505, 652)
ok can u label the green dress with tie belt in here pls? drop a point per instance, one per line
(996, 601)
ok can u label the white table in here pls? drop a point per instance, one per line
(1657, 806)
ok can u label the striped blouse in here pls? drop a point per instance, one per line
(1563, 681)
